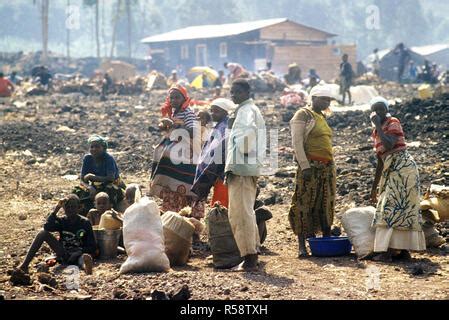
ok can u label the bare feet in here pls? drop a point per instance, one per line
(88, 263)
(302, 253)
(23, 268)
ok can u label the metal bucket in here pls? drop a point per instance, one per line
(107, 241)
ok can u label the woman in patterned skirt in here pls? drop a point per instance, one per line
(397, 219)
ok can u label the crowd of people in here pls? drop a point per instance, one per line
(407, 70)
(224, 164)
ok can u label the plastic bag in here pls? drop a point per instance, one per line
(357, 224)
(144, 239)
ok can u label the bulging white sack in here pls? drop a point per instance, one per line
(357, 224)
(144, 238)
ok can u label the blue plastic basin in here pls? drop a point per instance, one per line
(330, 246)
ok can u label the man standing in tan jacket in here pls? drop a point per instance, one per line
(245, 155)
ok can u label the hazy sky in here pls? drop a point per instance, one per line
(419, 21)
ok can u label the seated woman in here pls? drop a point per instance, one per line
(173, 174)
(99, 173)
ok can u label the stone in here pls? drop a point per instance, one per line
(47, 279)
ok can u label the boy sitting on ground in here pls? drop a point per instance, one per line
(76, 243)
(132, 193)
(102, 204)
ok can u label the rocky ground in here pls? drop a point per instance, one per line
(43, 140)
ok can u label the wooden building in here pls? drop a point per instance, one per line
(251, 44)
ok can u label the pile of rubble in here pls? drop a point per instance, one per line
(23, 63)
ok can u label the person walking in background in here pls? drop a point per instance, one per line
(345, 78)
(404, 57)
(376, 62)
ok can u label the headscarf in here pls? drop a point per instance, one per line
(167, 108)
(321, 91)
(99, 139)
(225, 104)
(380, 99)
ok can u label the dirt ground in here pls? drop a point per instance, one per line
(43, 140)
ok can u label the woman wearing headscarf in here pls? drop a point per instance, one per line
(397, 219)
(210, 169)
(177, 108)
(313, 203)
(99, 173)
(173, 174)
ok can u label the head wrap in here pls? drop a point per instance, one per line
(321, 91)
(99, 139)
(225, 104)
(167, 108)
(385, 102)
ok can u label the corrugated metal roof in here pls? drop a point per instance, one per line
(216, 31)
(421, 50)
(381, 53)
(430, 49)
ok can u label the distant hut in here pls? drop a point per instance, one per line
(389, 62)
(251, 44)
(436, 53)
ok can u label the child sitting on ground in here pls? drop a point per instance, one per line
(76, 243)
(133, 193)
(102, 204)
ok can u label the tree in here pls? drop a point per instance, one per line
(95, 4)
(45, 4)
(103, 33)
(114, 25)
(200, 12)
(68, 34)
(129, 26)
